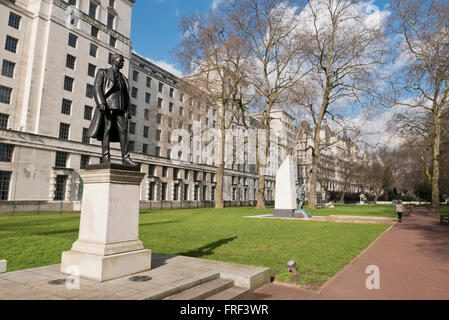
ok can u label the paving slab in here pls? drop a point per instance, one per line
(169, 275)
(413, 262)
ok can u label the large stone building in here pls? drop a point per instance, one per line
(52, 50)
(50, 53)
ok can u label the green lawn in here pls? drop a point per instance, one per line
(321, 249)
(355, 210)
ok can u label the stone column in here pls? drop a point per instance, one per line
(108, 245)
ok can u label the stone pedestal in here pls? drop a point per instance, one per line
(108, 245)
(285, 200)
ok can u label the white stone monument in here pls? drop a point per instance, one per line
(3, 264)
(285, 200)
(108, 245)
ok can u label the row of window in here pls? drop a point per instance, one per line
(177, 190)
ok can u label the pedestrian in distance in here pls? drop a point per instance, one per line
(399, 210)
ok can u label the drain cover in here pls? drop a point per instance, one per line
(57, 282)
(140, 278)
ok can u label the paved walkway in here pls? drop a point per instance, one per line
(413, 260)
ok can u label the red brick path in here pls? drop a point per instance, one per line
(413, 259)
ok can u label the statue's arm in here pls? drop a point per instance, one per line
(98, 88)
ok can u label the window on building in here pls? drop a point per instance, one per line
(88, 112)
(89, 90)
(61, 159)
(212, 193)
(70, 61)
(132, 127)
(164, 171)
(195, 195)
(171, 92)
(207, 122)
(181, 109)
(112, 41)
(186, 192)
(14, 20)
(134, 92)
(6, 151)
(66, 106)
(64, 130)
(4, 120)
(85, 139)
(91, 70)
(111, 19)
(151, 190)
(145, 148)
(72, 2)
(5, 94)
(135, 75)
(157, 151)
(147, 97)
(60, 186)
(176, 192)
(161, 86)
(8, 68)
(151, 170)
(145, 131)
(93, 50)
(11, 44)
(148, 82)
(68, 83)
(159, 118)
(146, 114)
(159, 102)
(110, 58)
(84, 161)
(158, 135)
(170, 106)
(5, 179)
(133, 110)
(73, 39)
(92, 10)
(112, 3)
(164, 191)
(94, 31)
(131, 146)
(169, 153)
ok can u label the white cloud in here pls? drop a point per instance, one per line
(167, 66)
(215, 4)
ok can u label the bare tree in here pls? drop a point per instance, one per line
(378, 173)
(422, 82)
(214, 51)
(344, 46)
(269, 27)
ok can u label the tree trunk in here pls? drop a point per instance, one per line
(435, 205)
(219, 203)
(262, 164)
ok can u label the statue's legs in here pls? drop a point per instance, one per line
(122, 126)
(106, 158)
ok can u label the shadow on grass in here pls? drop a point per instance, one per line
(158, 222)
(207, 249)
(55, 232)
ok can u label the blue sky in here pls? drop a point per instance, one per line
(155, 31)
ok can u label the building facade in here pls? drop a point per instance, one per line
(51, 51)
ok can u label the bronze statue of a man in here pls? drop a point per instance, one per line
(110, 121)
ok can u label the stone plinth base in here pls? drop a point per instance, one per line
(102, 268)
(3, 264)
(285, 213)
(108, 245)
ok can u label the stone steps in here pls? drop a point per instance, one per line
(232, 293)
(203, 291)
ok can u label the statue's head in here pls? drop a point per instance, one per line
(117, 60)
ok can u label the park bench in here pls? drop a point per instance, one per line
(444, 218)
